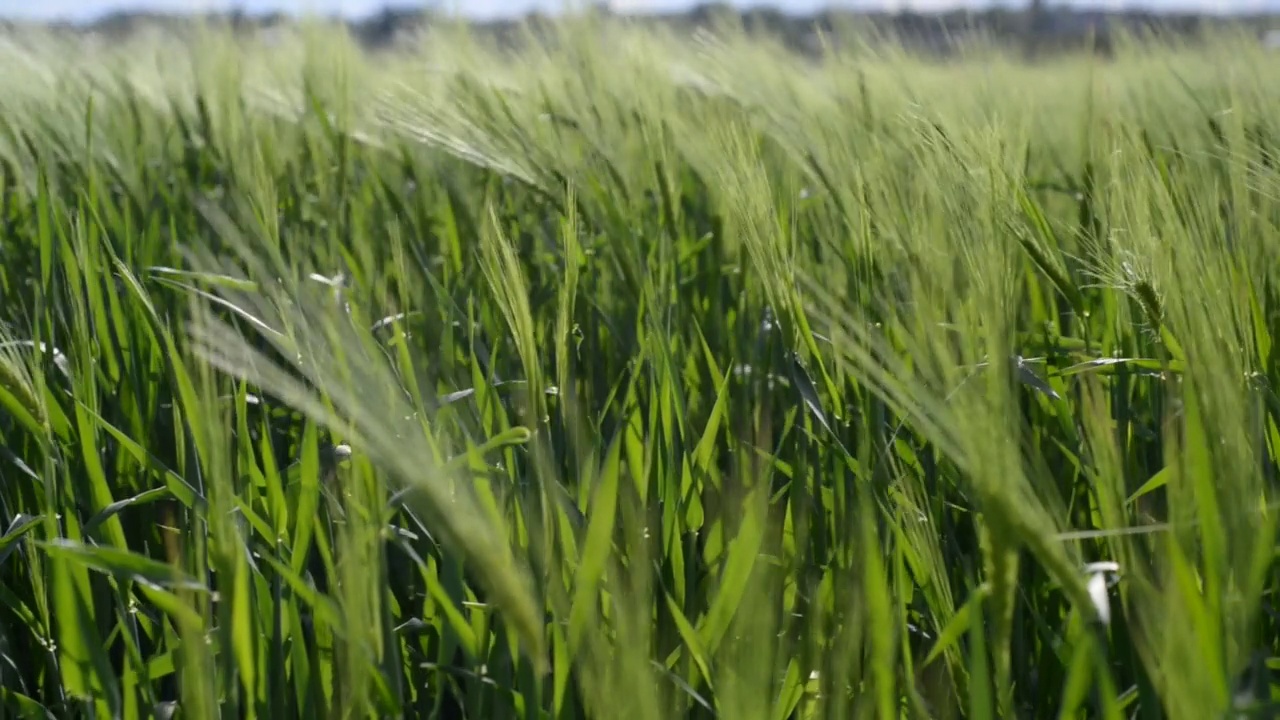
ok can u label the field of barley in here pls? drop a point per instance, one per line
(623, 375)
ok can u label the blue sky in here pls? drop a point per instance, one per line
(88, 9)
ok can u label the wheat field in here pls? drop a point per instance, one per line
(631, 375)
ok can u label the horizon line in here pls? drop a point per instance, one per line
(899, 7)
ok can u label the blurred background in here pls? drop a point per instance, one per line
(88, 10)
(938, 27)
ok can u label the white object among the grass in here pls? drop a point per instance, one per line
(1098, 585)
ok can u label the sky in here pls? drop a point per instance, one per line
(81, 10)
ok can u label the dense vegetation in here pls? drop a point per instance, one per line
(629, 377)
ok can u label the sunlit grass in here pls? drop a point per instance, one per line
(635, 376)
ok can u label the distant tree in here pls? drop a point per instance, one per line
(1034, 27)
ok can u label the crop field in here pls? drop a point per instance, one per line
(626, 375)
